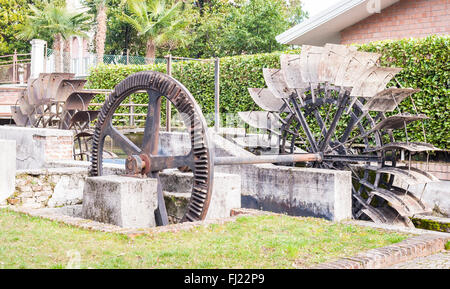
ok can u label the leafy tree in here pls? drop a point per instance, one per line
(253, 26)
(12, 13)
(118, 34)
(222, 27)
(207, 29)
(53, 21)
(156, 21)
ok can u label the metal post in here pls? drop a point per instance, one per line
(216, 94)
(168, 104)
(131, 112)
(14, 76)
(45, 57)
(128, 56)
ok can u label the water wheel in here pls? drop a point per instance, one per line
(59, 100)
(333, 100)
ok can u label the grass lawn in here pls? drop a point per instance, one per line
(250, 242)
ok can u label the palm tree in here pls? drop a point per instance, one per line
(51, 21)
(99, 8)
(100, 37)
(157, 22)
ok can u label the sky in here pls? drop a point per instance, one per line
(316, 6)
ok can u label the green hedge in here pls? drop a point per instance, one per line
(425, 64)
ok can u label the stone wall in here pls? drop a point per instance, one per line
(7, 168)
(37, 146)
(53, 187)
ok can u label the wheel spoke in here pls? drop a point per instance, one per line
(323, 129)
(334, 123)
(305, 126)
(161, 217)
(152, 123)
(122, 141)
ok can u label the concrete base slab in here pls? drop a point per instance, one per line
(299, 192)
(122, 201)
(7, 168)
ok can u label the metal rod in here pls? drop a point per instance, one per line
(168, 103)
(216, 93)
(263, 159)
(14, 75)
(131, 112)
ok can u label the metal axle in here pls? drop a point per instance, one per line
(292, 158)
(143, 164)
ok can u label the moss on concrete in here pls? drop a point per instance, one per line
(433, 225)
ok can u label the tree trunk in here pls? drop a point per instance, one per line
(57, 52)
(150, 52)
(101, 32)
(67, 57)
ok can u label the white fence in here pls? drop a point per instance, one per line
(82, 65)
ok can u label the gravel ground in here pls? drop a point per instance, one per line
(437, 261)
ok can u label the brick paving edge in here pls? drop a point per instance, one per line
(417, 246)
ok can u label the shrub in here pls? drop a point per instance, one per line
(425, 64)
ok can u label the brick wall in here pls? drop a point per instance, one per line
(406, 18)
(8, 97)
(439, 170)
(58, 148)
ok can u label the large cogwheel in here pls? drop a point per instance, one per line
(145, 158)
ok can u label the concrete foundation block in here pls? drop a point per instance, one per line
(122, 201)
(178, 186)
(7, 169)
(226, 196)
(289, 190)
(299, 191)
